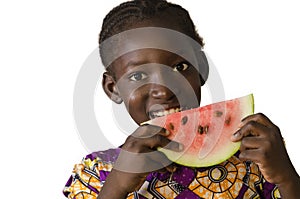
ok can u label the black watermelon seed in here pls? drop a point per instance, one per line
(184, 120)
(228, 120)
(171, 126)
(218, 113)
(200, 129)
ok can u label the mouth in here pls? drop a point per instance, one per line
(160, 113)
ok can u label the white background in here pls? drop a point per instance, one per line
(43, 44)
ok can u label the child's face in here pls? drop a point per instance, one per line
(150, 81)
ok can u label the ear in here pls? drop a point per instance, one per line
(110, 88)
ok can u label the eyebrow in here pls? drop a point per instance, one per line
(134, 63)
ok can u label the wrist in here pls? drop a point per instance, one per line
(112, 188)
(290, 188)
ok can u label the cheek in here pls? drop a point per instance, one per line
(195, 83)
(135, 100)
(136, 104)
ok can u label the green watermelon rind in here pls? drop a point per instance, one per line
(191, 161)
(230, 150)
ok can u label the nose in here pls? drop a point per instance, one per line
(161, 92)
(163, 83)
(163, 87)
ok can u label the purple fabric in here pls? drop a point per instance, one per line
(109, 155)
(103, 175)
(242, 192)
(184, 175)
(93, 189)
(268, 187)
(180, 182)
(69, 182)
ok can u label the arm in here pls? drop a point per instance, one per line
(262, 143)
(111, 188)
(137, 159)
(290, 188)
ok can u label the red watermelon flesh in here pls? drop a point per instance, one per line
(205, 131)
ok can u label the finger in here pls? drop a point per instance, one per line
(159, 130)
(141, 162)
(146, 131)
(250, 143)
(253, 155)
(142, 145)
(170, 168)
(163, 142)
(251, 128)
(157, 156)
(258, 117)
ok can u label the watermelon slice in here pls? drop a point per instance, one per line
(205, 131)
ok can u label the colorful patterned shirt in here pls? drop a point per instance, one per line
(230, 179)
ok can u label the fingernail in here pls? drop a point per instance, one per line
(171, 168)
(240, 125)
(174, 169)
(244, 118)
(167, 132)
(237, 134)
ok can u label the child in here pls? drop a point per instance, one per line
(155, 81)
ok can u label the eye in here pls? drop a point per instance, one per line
(181, 67)
(137, 76)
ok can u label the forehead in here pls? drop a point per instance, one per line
(149, 38)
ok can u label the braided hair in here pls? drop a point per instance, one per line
(124, 16)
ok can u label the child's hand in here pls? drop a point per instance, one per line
(139, 157)
(263, 144)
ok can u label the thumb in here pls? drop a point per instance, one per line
(237, 136)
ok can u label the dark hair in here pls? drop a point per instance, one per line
(124, 16)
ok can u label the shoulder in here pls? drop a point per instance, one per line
(104, 157)
(89, 175)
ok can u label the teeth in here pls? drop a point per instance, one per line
(165, 112)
